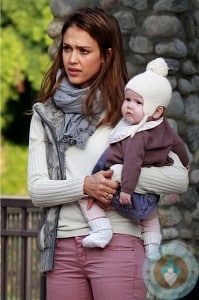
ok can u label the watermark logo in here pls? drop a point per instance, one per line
(174, 275)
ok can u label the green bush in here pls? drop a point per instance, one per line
(13, 169)
(24, 58)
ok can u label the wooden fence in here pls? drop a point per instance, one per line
(20, 277)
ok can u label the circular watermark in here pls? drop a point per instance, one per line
(174, 275)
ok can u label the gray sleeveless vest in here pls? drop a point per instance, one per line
(52, 118)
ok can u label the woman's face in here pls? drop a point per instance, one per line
(81, 56)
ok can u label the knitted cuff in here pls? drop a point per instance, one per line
(152, 238)
(99, 224)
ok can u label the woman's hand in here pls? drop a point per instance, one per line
(101, 187)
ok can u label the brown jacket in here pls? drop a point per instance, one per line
(147, 148)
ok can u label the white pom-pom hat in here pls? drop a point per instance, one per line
(153, 86)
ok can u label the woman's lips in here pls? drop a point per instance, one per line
(73, 72)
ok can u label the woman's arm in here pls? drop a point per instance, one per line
(160, 180)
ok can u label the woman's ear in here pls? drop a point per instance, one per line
(108, 55)
(158, 112)
(110, 51)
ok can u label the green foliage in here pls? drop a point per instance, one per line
(24, 45)
(13, 169)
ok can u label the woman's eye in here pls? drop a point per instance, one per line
(66, 48)
(84, 51)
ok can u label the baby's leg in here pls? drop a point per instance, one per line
(101, 232)
(151, 233)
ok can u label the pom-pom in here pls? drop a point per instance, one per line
(158, 66)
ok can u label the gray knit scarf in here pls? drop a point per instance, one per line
(76, 127)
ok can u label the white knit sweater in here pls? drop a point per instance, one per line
(45, 192)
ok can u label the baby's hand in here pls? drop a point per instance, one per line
(125, 199)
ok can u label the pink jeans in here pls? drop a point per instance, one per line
(113, 273)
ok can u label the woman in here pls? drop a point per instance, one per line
(78, 106)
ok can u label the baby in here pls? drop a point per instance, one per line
(143, 138)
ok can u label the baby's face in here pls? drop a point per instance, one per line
(132, 107)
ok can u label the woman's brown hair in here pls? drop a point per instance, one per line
(112, 77)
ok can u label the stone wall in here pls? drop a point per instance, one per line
(169, 29)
